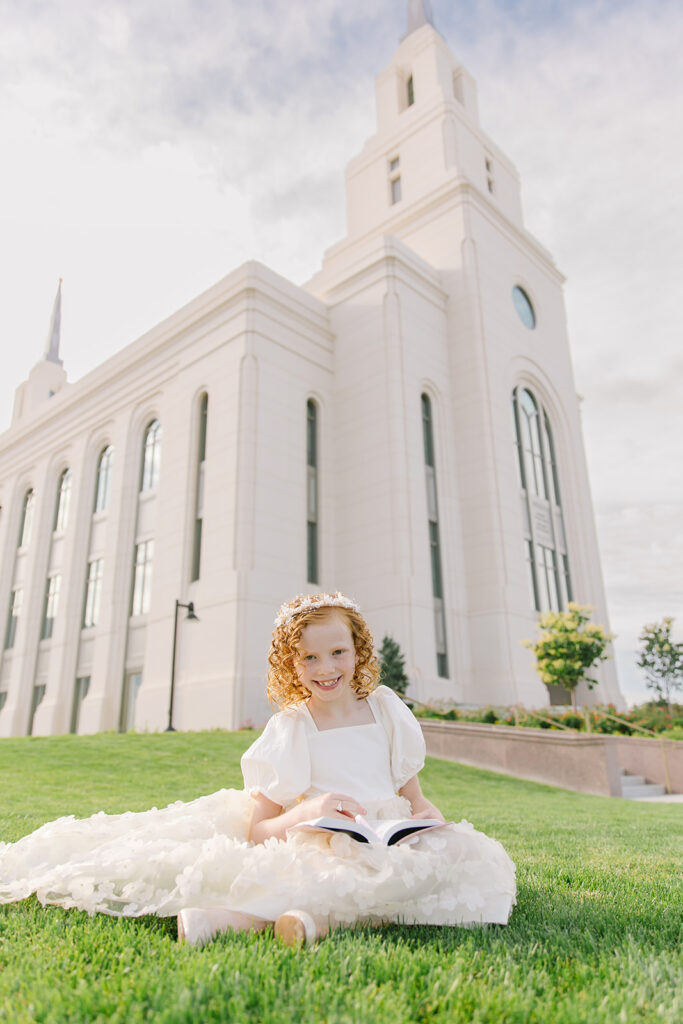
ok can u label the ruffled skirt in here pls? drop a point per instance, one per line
(196, 854)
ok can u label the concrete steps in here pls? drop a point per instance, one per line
(636, 787)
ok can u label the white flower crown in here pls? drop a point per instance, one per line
(287, 613)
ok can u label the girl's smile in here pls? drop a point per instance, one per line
(327, 684)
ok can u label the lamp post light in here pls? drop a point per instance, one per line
(190, 615)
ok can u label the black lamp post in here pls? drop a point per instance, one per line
(190, 615)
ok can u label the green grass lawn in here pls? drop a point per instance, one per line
(596, 935)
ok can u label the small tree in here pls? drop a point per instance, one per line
(662, 659)
(568, 646)
(392, 666)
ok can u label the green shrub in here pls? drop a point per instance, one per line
(568, 647)
(652, 715)
(392, 666)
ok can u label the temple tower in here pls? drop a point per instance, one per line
(492, 521)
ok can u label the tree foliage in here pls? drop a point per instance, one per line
(392, 666)
(662, 659)
(569, 645)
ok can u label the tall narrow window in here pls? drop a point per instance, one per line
(36, 701)
(151, 460)
(434, 539)
(15, 602)
(80, 693)
(395, 191)
(312, 491)
(410, 91)
(545, 548)
(131, 687)
(27, 512)
(63, 502)
(142, 583)
(93, 593)
(490, 180)
(104, 468)
(3, 698)
(199, 500)
(50, 606)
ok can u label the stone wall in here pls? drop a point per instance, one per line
(586, 763)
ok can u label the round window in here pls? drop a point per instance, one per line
(524, 308)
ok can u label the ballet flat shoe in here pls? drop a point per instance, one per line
(296, 928)
(194, 927)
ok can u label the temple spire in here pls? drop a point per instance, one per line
(54, 334)
(419, 14)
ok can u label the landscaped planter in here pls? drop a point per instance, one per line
(588, 763)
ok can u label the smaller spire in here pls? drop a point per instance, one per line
(54, 333)
(419, 14)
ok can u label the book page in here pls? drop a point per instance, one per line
(392, 831)
(358, 830)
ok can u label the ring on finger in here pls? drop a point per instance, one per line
(340, 806)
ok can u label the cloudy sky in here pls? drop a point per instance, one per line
(150, 146)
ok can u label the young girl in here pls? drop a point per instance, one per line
(341, 746)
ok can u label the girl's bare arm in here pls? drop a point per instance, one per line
(420, 805)
(268, 821)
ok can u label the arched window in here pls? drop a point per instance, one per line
(434, 538)
(311, 491)
(27, 512)
(199, 498)
(545, 546)
(151, 457)
(63, 501)
(104, 468)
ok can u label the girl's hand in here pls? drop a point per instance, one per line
(326, 806)
(429, 812)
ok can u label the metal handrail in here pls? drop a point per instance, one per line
(521, 712)
(640, 728)
(541, 718)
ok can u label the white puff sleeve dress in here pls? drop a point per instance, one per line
(198, 853)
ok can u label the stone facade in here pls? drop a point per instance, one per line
(355, 433)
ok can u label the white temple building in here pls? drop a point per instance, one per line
(404, 427)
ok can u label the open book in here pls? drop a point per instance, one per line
(386, 833)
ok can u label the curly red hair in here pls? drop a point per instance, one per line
(284, 687)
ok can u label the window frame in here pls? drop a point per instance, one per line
(200, 483)
(545, 547)
(50, 605)
(13, 616)
(151, 457)
(63, 503)
(394, 179)
(141, 595)
(28, 510)
(312, 497)
(103, 479)
(93, 593)
(81, 690)
(434, 537)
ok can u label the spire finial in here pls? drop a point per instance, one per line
(419, 14)
(54, 333)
